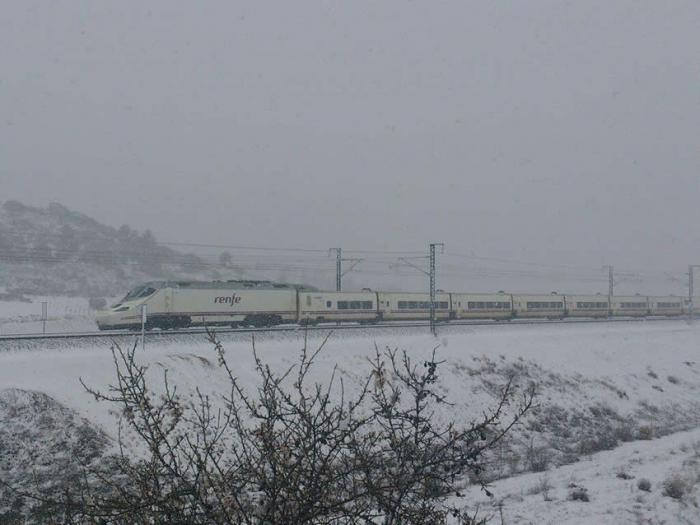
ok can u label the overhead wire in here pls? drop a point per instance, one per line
(267, 258)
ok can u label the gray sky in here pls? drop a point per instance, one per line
(559, 132)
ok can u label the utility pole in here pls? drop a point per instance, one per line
(144, 319)
(339, 273)
(338, 269)
(431, 275)
(691, 291)
(611, 287)
(44, 312)
(433, 328)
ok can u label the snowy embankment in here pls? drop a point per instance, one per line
(645, 482)
(599, 386)
(63, 314)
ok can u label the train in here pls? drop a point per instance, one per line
(182, 304)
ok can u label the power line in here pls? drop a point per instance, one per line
(237, 247)
(257, 263)
(339, 273)
(301, 259)
(107, 236)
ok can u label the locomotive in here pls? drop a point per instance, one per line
(181, 304)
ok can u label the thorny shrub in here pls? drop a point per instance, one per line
(291, 451)
(644, 484)
(675, 487)
(578, 493)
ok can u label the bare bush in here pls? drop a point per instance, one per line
(292, 451)
(625, 431)
(644, 484)
(538, 458)
(623, 474)
(578, 493)
(645, 432)
(543, 486)
(675, 487)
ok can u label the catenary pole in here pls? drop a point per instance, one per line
(431, 273)
(338, 269)
(339, 273)
(691, 290)
(611, 287)
(433, 327)
(44, 315)
(143, 326)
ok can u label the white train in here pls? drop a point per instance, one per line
(179, 304)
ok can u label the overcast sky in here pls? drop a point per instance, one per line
(560, 132)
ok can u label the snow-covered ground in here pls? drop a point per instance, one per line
(63, 314)
(611, 482)
(632, 385)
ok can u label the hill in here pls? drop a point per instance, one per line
(56, 251)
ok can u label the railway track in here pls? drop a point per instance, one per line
(155, 334)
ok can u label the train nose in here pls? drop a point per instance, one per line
(110, 319)
(104, 320)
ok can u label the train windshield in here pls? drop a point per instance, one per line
(139, 292)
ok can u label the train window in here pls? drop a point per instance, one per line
(488, 305)
(141, 291)
(308, 300)
(329, 304)
(421, 305)
(633, 305)
(581, 305)
(355, 305)
(544, 305)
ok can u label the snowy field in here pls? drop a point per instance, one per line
(612, 397)
(610, 481)
(64, 314)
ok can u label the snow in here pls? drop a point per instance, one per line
(64, 314)
(596, 376)
(614, 500)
